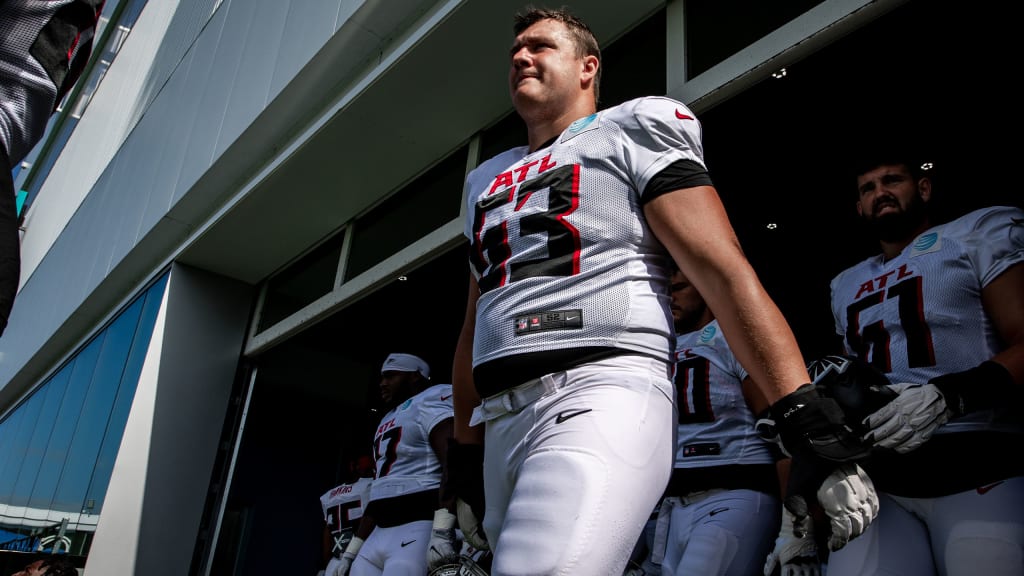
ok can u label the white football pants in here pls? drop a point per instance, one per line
(571, 478)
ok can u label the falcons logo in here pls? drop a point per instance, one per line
(821, 367)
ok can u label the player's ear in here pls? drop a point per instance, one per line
(924, 188)
(860, 209)
(590, 67)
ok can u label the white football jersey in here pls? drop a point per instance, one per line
(716, 427)
(920, 315)
(406, 462)
(343, 505)
(559, 244)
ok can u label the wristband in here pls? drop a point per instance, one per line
(352, 550)
(443, 519)
(987, 385)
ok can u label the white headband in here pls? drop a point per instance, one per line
(405, 363)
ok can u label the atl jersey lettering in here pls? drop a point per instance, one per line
(920, 315)
(559, 245)
(716, 427)
(343, 507)
(406, 462)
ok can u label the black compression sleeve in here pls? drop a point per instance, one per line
(679, 174)
(987, 385)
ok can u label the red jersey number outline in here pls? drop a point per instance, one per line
(493, 250)
(873, 340)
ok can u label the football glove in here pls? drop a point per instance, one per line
(857, 387)
(795, 552)
(464, 482)
(848, 498)
(814, 425)
(444, 546)
(910, 419)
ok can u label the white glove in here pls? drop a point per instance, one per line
(849, 500)
(909, 420)
(470, 526)
(444, 546)
(794, 548)
(343, 564)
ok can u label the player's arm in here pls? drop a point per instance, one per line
(465, 456)
(693, 226)
(1003, 300)
(439, 437)
(444, 546)
(465, 396)
(795, 550)
(326, 546)
(363, 531)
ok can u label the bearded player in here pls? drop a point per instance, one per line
(564, 399)
(404, 527)
(940, 311)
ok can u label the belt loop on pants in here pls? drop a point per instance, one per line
(513, 400)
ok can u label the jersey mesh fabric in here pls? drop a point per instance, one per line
(343, 507)
(27, 93)
(561, 230)
(406, 462)
(709, 388)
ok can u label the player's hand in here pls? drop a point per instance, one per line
(444, 546)
(910, 419)
(344, 563)
(848, 498)
(464, 483)
(814, 425)
(795, 552)
(341, 567)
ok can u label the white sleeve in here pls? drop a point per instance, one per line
(658, 132)
(437, 406)
(996, 241)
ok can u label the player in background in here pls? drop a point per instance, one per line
(940, 311)
(404, 525)
(44, 47)
(562, 369)
(721, 510)
(343, 508)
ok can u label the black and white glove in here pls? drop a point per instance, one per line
(343, 565)
(464, 483)
(844, 491)
(795, 552)
(910, 419)
(444, 546)
(814, 425)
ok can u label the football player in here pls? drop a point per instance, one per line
(940, 311)
(342, 508)
(722, 508)
(562, 372)
(404, 527)
(43, 48)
